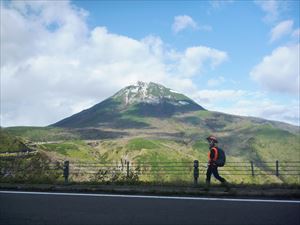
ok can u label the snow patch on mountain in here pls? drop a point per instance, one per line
(174, 91)
(183, 103)
(150, 93)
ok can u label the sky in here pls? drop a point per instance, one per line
(61, 57)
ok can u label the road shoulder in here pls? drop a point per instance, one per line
(214, 191)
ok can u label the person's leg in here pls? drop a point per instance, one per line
(216, 174)
(208, 177)
(208, 174)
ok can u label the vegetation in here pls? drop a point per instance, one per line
(42, 134)
(140, 143)
(9, 143)
(75, 150)
(153, 160)
(36, 168)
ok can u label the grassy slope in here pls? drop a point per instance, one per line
(41, 134)
(150, 153)
(76, 150)
(244, 139)
(9, 143)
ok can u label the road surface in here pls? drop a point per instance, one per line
(35, 208)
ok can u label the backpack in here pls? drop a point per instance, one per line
(221, 160)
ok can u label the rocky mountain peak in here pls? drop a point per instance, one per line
(151, 93)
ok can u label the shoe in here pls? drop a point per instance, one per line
(206, 187)
(226, 185)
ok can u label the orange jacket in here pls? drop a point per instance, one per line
(213, 154)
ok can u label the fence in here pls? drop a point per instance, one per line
(192, 170)
(157, 171)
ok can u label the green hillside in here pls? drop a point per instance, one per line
(147, 150)
(242, 137)
(9, 143)
(40, 134)
(149, 154)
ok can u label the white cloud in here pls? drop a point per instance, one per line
(216, 81)
(296, 33)
(194, 59)
(279, 71)
(217, 4)
(53, 65)
(266, 108)
(245, 103)
(212, 97)
(183, 22)
(271, 8)
(282, 29)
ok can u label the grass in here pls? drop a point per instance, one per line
(75, 150)
(270, 143)
(11, 144)
(204, 114)
(41, 134)
(140, 143)
(200, 145)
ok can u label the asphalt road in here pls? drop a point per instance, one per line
(20, 208)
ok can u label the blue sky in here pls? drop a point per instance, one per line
(238, 57)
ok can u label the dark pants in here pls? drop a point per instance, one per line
(212, 169)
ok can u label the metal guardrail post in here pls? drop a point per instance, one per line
(196, 172)
(66, 171)
(127, 165)
(252, 168)
(277, 168)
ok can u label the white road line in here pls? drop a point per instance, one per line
(152, 197)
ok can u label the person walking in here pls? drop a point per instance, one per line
(216, 158)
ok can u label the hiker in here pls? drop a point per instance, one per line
(216, 158)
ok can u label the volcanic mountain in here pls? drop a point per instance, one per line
(139, 100)
(150, 110)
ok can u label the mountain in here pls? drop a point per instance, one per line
(150, 111)
(123, 109)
